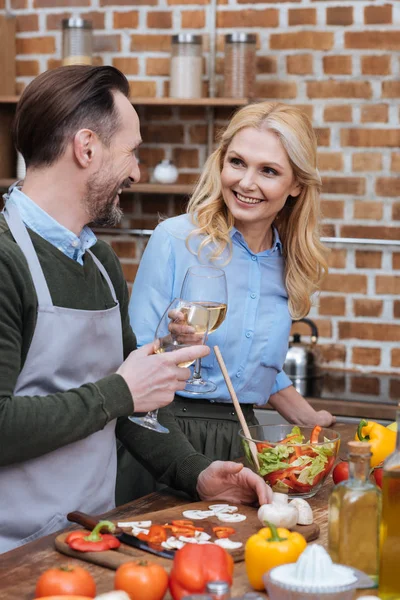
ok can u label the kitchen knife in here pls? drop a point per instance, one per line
(89, 522)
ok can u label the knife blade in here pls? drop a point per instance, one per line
(89, 522)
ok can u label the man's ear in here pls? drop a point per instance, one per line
(85, 146)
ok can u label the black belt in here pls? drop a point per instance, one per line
(199, 408)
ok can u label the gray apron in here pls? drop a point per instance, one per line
(69, 348)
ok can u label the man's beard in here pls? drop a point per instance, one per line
(101, 204)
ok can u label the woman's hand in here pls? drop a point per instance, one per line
(324, 418)
(295, 409)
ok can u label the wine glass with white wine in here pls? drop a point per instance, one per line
(183, 324)
(205, 287)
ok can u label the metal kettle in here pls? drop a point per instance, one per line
(303, 362)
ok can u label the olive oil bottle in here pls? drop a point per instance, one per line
(389, 564)
(353, 515)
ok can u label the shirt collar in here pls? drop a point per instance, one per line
(276, 246)
(48, 228)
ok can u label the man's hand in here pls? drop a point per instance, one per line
(231, 481)
(153, 379)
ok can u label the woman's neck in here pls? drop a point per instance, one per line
(257, 238)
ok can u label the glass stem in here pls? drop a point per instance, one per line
(152, 414)
(197, 369)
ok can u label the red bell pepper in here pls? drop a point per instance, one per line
(315, 434)
(156, 535)
(194, 566)
(83, 541)
(223, 532)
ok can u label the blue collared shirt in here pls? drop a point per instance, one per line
(48, 228)
(253, 339)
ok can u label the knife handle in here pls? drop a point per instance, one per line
(87, 521)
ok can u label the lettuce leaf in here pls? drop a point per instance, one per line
(272, 459)
(299, 436)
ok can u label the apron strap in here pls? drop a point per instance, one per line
(105, 274)
(23, 239)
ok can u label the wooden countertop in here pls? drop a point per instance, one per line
(20, 568)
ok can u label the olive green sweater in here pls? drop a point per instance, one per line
(33, 426)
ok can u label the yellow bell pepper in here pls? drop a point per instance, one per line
(382, 440)
(269, 548)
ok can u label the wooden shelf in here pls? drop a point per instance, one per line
(165, 101)
(138, 188)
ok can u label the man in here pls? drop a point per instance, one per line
(69, 372)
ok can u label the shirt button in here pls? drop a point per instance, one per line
(238, 374)
(253, 295)
(254, 258)
(75, 243)
(248, 334)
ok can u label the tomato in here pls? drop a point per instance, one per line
(340, 472)
(68, 580)
(378, 474)
(142, 580)
(67, 597)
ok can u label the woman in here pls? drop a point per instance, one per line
(254, 213)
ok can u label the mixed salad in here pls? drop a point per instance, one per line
(295, 465)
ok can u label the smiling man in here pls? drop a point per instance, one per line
(70, 374)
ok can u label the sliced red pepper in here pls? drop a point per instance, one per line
(275, 476)
(298, 486)
(182, 523)
(288, 438)
(262, 445)
(315, 434)
(94, 541)
(157, 534)
(223, 532)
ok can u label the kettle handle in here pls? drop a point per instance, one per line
(313, 327)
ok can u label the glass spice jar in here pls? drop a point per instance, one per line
(240, 65)
(186, 66)
(76, 42)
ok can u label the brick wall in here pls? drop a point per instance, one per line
(339, 61)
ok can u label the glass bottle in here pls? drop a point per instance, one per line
(76, 42)
(186, 66)
(389, 578)
(240, 65)
(218, 590)
(353, 515)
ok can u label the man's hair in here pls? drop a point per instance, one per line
(57, 103)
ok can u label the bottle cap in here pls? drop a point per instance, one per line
(217, 587)
(360, 448)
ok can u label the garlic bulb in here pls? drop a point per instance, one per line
(279, 512)
(306, 516)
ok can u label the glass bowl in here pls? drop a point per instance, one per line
(289, 462)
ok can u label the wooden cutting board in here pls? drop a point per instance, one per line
(112, 559)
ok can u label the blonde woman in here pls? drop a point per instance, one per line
(254, 213)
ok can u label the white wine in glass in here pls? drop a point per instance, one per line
(183, 324)
(205, 287)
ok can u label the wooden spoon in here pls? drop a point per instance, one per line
(238, 408)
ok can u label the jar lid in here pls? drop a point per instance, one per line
(76, 23)
(186, 38)
(244, 38)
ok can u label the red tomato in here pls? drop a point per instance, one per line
(340, 472)
(142, 580)
(68, 580)
(378, 474)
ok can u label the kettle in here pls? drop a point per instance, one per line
(302, 363)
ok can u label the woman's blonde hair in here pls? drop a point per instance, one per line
(297, 223)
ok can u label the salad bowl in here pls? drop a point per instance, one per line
(292, 460)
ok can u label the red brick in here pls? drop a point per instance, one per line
(300, 64)
(27, 23)
(372, 40)
(276, 89)
(193, 19)
(370, 232)
(53, 21)
(396, 260)
(27, 68)
(387, 284)
(299, 40)
(338, 113)
(198, 134)
(376, 65)
(268, 17)
(308, 109)
(330, 161)
(126, 20)
(128, 2)
(106, 43)
(388, 186)
(60, 3)
(54, 63)
(328, 230)
(379, 332)
(370, 137)
(150, 43)
(339, 89)
(395, 162)
(337, 258)
(395, 357)
(187, 2)
(155, 113)
(332, 353)
(157, 66)
(127, 64)
(324, 327)
(368, 210)
(396, 311)
(159, 19)
(186, 158)
(369, 386)
(17, 4)
(340, 282)
(302, 16)
(367, 259)
(338, 65)
(267, 1)
(396, 211)
(188, 178)
(124, 248)
(332, 209)
(390, 89)
(366, 356)
(378, 15)
(367, 308)
(332, 305)
(38, 45)
(142, 89)
(367, 161)
(163, 134)
(266, 64)
(339, 15)
(343, 185)
(374, 113)
(151, 156)
(129, 270)
(323, 135)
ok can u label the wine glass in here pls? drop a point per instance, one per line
(206, 287)
(183, 324)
